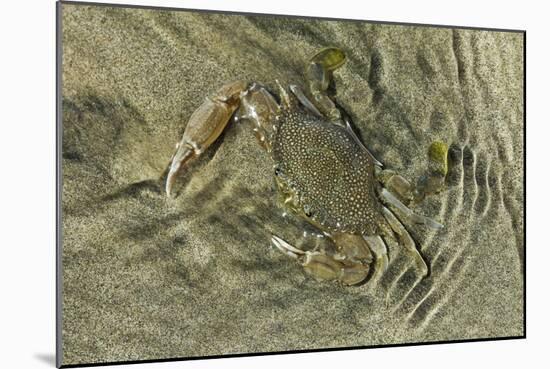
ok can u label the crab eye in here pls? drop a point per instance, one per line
(307, 211)
(277, 171)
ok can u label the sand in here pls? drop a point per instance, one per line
(149, 277)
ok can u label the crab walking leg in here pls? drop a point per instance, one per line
(323, 266)
(395, 183)
(260, 108)
(390, 199)
(358, 141)
(406, 239)
(286, 248)
(318, 73)
(378, 247)
(314, 263)
(285, 99)
(297, 91)
(432, 182)
(204, 127)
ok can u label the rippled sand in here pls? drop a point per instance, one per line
(148, 277)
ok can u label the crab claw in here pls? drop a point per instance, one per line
(324, 267)
(286, 248)
(184, 153)
(320, 266)
(204, 127)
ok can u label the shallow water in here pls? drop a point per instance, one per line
(148, 277)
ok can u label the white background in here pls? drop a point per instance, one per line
(27, 184)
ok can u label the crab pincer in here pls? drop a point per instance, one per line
(347, 269)
(204, 127)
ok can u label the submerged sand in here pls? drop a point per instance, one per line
(150, 277)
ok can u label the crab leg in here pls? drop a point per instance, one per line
(204, 127)
(350, 268)
(297, 91)
(260, 108)
(286, 248)
(319, 265)
(433, 181)
(352, 133)
(318, 73)
(390, 199)
(405, 238)
(380, 251)
(396, 184)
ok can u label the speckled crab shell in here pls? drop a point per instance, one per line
(330, 174)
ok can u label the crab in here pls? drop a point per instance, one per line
(323, 172)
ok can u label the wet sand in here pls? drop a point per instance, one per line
(151, 277)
